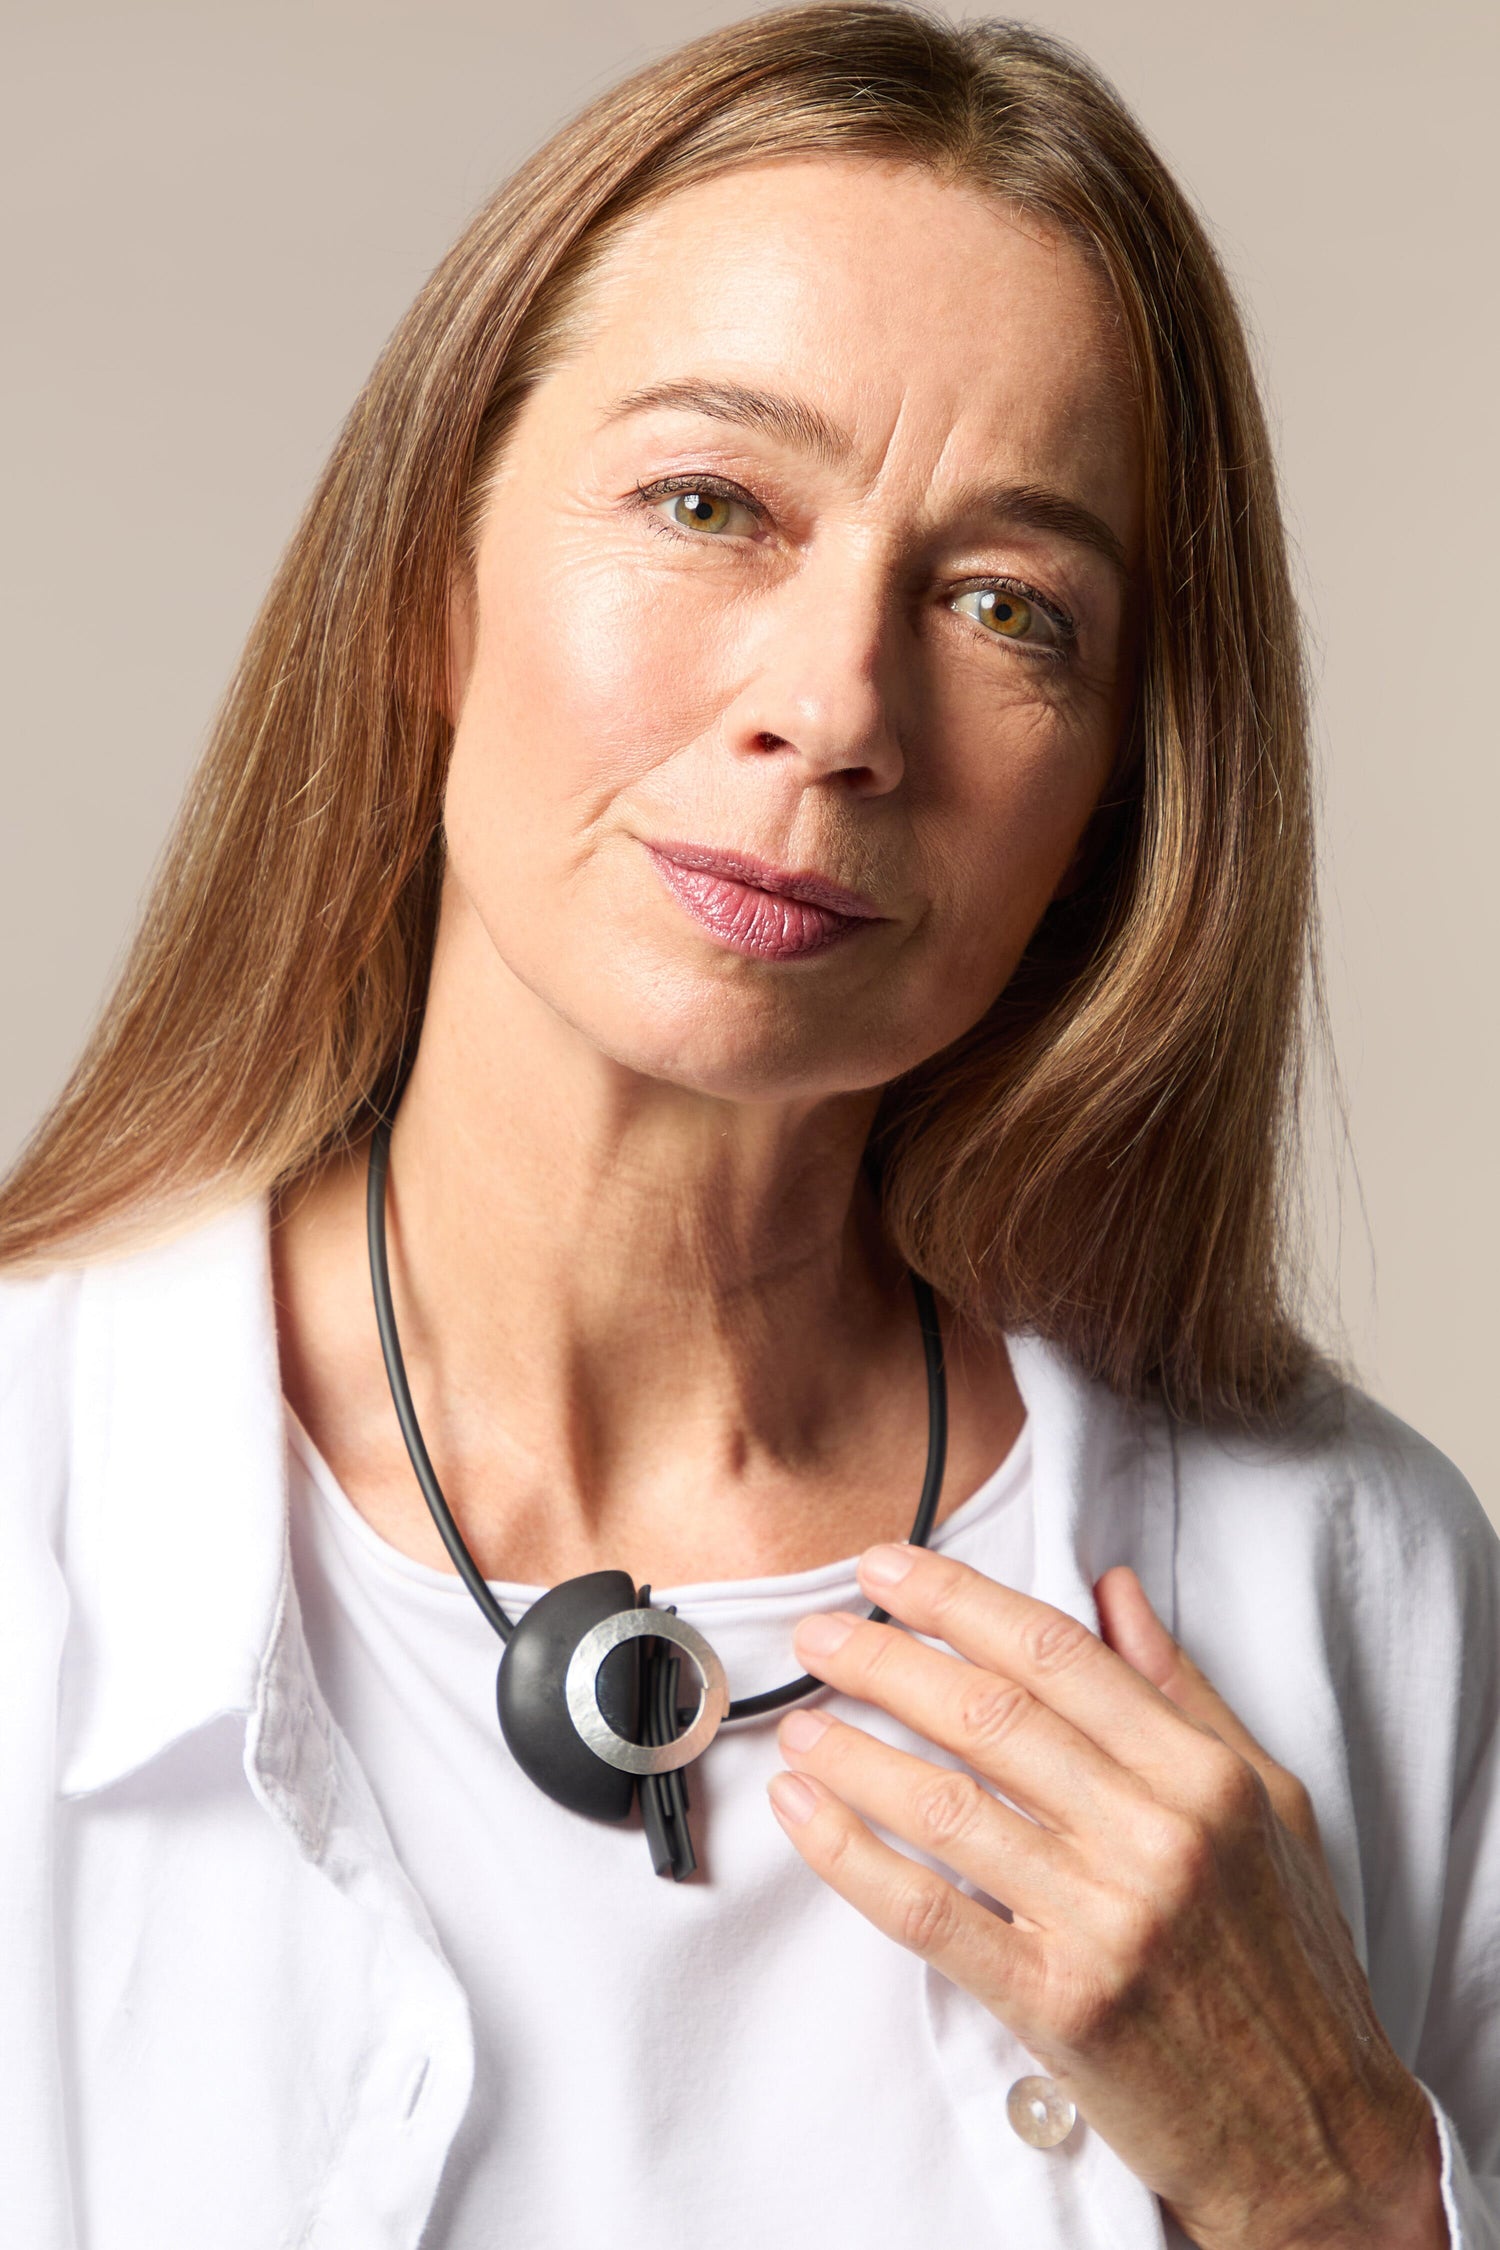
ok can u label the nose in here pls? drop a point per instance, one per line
(822, 679)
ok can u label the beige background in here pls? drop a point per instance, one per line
(217, 210)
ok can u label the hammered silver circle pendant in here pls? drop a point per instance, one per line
(1040, 2112)
(581, 1689)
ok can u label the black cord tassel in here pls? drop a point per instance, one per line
(664, 1796)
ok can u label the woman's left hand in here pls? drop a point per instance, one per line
(1177, 1959)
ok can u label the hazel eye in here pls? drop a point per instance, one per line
(702, 511)
(681, 507)
(1009, 616)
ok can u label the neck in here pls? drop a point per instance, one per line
(643, 1325)
(648, 1258)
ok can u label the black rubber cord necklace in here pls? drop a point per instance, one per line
(587, 1692)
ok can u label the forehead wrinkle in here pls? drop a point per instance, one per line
(798, 422)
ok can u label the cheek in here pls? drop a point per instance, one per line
(587, 676)
(1001, 833)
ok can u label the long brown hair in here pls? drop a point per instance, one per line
(1105, 1157)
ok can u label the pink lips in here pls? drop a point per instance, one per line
(758, 909)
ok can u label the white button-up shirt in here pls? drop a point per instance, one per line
(228, 2022)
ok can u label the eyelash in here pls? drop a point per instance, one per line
(718, 489)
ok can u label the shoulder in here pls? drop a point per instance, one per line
(1348, 1485)
(1347, 1550)
(38, 1327)
(85, 1339)
(36, 1319)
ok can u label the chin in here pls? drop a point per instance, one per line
(737, 1045)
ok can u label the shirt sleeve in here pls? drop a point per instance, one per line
(1458, 2058)
(1346, 1602)
(1458, 2062)
(1471, 2201)
(35, 2191)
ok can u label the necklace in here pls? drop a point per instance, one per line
(587, 1688)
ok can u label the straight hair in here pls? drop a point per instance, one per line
(1108, 1157)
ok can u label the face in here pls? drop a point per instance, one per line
(796, 655)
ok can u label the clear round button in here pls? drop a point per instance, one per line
(1039, 2112)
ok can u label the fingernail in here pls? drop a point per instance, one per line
(821, 1635)
(792, 1797)
(801, 1729)
(886, 1566)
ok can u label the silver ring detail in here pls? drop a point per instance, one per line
(582, 1693)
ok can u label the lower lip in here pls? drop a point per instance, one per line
(765, 924)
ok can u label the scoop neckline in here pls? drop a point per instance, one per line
(1002, 1484)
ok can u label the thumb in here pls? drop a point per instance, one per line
(1133, 1630)
(1131, 1627)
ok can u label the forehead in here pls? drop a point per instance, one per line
(936, 322)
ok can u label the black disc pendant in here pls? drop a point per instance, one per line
(531, 1694)
(587, 1691)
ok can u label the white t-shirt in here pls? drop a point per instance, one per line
(737, 2059)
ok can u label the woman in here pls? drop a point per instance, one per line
(777, 757)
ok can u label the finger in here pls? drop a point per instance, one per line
(946, 1812)
(1132, 1627)
(1052, 1655)
(994, 1959)
(994, 1725)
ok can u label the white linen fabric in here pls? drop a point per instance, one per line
(231, 2016)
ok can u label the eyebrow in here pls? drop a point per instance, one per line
(1029, 507)
(792, 419)
(1036, 507)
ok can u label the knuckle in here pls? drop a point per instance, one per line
(1232, 1795)
(1178, 1849)
(1084, 2016)
(949, 1807)
(881, 1650)
(924, 1916)
(947, 1590)
(1134, 1928)
(990, 1713)
(1292, 1802)
(1053, 1643)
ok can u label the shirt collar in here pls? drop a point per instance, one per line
(175, 1543)
(176, 1548)
(1104, 1480)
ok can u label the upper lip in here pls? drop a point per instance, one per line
(799, 883)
